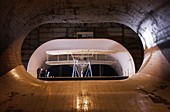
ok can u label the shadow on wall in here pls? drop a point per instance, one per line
(165, 49)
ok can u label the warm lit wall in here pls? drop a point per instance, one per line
(150, 19)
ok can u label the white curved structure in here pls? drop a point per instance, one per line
(116, 51)
(79, 51)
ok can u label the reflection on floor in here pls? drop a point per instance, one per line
(21, 92)
(78, 96)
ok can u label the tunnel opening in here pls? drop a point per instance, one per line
(81, 54)
(117, 32)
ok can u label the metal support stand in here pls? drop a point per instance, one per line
(89, 70)
(75, 72)
(78, 68)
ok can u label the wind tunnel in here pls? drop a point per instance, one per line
(121, 60)
(146, 91)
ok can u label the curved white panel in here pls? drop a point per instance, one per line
(125, 65)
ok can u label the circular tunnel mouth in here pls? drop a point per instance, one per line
(38, 36)
(79, 58)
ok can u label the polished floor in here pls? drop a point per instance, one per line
(27, 94)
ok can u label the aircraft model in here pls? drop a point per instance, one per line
(81, 59)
